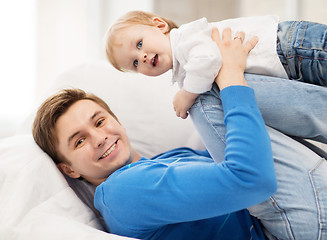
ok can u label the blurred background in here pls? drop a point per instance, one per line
(41, 39)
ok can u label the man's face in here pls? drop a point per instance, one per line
(144, 49)
(92, 141)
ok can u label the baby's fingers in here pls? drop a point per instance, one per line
(183, 114)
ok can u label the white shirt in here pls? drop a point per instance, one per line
(197, 60)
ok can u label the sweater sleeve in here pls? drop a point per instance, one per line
(152, 195)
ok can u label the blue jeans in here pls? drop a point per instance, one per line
(302, 49)
(298, 210)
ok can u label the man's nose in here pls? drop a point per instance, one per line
(99, 140)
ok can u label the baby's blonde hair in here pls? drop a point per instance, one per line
(128, 20)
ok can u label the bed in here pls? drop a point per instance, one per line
(37, 202)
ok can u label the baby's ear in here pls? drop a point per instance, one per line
(161, 24)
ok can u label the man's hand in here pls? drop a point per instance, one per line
(234, 54)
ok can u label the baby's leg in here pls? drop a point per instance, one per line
(302, 49)
(291, 107)
(294, 108)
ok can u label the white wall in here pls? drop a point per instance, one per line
(310, 10)
(70, 32)
(68, 35)
(17, 62)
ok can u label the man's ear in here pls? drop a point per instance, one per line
(68, 170)
(161, 24)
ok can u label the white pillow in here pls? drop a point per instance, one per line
(36, 201)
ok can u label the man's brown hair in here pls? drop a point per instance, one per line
(50, 111)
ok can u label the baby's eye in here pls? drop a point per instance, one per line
(139, 44)
(135, 63)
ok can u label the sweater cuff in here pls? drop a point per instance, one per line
(234, 96)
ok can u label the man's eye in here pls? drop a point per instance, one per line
(135, 63)
(139, 44)
(79, 142)
(99, 123)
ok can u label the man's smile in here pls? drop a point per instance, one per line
(109, 150)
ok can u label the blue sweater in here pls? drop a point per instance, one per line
(184, 194)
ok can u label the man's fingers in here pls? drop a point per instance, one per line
(215, 36)
(249, 45)
(227, 34)
(240, 36)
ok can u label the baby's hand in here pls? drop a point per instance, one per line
(183, 100)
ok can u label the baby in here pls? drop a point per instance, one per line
(149, 44)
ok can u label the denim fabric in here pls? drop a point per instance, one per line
(302, 49)
(294, 108)
(298, 209)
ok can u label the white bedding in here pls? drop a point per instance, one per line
(36, 201)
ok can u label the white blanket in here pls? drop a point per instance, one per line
(36, 201)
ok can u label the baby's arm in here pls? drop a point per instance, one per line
(198, 56)
(183, 100)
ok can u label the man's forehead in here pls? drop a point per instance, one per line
(79, 113)
(84, 105)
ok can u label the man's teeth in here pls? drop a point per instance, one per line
(109, 151)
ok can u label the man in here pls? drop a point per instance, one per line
(182, 194)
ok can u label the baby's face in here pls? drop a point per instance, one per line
(144, 49)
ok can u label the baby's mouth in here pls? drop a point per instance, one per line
(154, 60)
(107, 153)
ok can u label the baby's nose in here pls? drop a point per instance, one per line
(144, 58)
